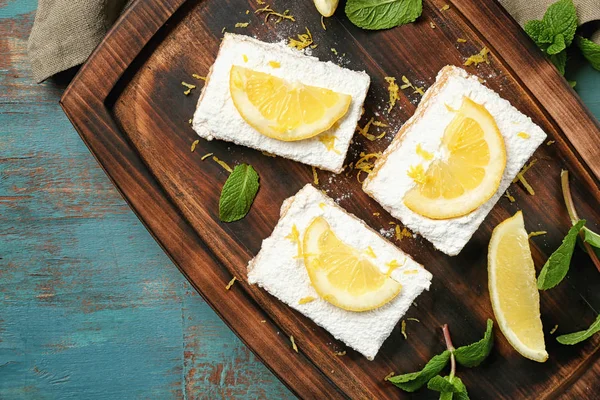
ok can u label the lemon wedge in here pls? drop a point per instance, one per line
(513, 289)
(326, 7)
(283, 110)
(341, 274)
(468, 171)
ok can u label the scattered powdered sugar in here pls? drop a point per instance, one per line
(277, 269)
(389, 185)
(217, 117)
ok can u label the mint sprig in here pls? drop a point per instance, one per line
(555, 33)
(450, 387)
(577, 337)
(383, 14)
(472, 355)
(416, 380)
(557, 265)
(238, 193)
(590, 50)
(591, 237)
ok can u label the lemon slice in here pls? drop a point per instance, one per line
(283, 110)
(513, 289)
(469, 170)
(342, 275)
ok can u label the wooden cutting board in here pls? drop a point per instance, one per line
(128, 104)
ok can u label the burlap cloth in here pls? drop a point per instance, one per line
(65, 32)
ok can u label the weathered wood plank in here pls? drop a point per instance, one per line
(90, 306)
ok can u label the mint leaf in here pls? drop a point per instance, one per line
(441, 384)
(449, 388)
(238, 193)
(538, 32)
(382, 14)
(474, 354)
(557, 46)
(415, 380)
(590, 50)
(560, 61)
(591, 237)
(561, 18)
(577, 337)
(557, 266)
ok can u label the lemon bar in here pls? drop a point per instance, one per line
(279, 268)
(217, 117)
(419, 143)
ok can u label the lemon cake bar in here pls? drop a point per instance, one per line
(312, 259)
(452, 160)
(273, 98)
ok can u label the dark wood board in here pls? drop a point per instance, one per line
(127, 102)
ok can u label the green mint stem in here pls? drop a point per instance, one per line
(450, 348)
(566, 190)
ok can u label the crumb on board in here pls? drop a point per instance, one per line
(189, 87)
(222, 164)
(432, 24)
(400, 234)
(481, 57)
(536, 233)
(461, 40)
(365, 131)
(509, 196)
(194, 144)
(199, 77)
(340, 353)
(393, 92)
(293, 344)
(315, 176)
(230, 284)
(554, 329)
(334, 51)
(521, 177)
(242, 24)
(376, 214)
(270, 12)
(304, 40)
(262, 321)
(204, 157)
(190, 121)
(446, 7)
(550, 142)
(408, 84)
(364, 164)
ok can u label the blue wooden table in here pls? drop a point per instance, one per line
(90, 307)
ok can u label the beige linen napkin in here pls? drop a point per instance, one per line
(65, 32)
(526, 10)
